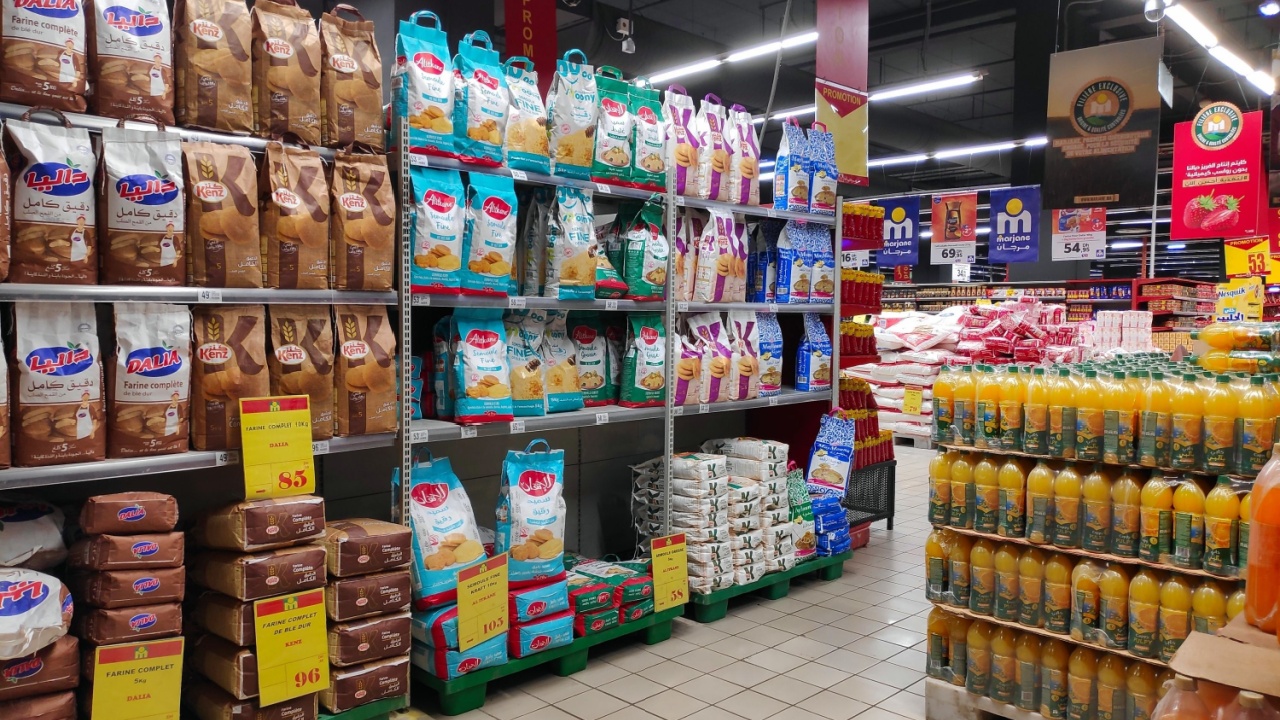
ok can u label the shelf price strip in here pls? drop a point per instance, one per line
(670, 572)
(137, 681)
(293, 652)
(482, 602)
(279, 458)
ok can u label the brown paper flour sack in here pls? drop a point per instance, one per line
(150, 379)
(59, 411)
(362, 228)
(295, 218)
(367, 400)
(301, 360)
(44, 61)
(230, 363)
(6, 439)
(141, 209)
(223, 247)
(286, 71)
(213, 72)
(131, 56)
(350, 81)
(54, 228)
(6, 214)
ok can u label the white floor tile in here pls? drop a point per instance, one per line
(671, 705)
(709, 688)
(752, 705)
(632, 689)
(775, 660)
(864, 690)
(590, 705)
(832, 706)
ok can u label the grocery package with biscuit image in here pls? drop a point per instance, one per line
(647, 250)
(481, 373)
(795, 265)
(524, 329)
(648, 166)
(213, 69)
(44, 54)
(294, 220)
(744, 173)
(572, 108)
(771, 353)
(480, 101)
(762, 261)
(141, 209)
(688, 388)
(439, 223)
(350, 81)
(150, 378)
(818, 242)
(489, 242)
(722, 261)
(791, 169)
(443, 379)
(362, 229)
(572, 247)
(301, 360)
(823, 175)
(615, 128)
(131, 59)
(230, 364)
(716, 155)
(813, 357)
(526, 145)
(643, 380)
(223, 247)
(367, 395)
(531, 514)
(683, 144)
(744, 338)
(446, 538)
(286, 71)
(423, 81)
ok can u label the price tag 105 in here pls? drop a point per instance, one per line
(482, 602)
(275, 438)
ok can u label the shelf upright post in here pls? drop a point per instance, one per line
(838, 246)
(669, 304)
(400, 505)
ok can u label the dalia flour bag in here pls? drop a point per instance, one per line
(149, 412)
(531, 514)
(744, 174)
(682, 141)
(526, 147)
(716, 155)
(791, 170)
(572, 108)
(350, 81)
(439, 222)
(59, 399)
(480, 367)
(131, 55)
(643, 381)
(44, 44)
(489, 243)
(446, 536)
(142, 209)
(480, 101)
(423, 83)
(571, 247)
(648, 166)
(614, 128)
(213, 69)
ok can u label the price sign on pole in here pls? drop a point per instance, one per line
(670, 572)
(275, 436)
(137, 681)
(1080, 234)
(482, 602)
(292, 643)
(913, 400)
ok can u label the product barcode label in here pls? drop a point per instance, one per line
(417, 159)
(517, 303)
(320, 447)
(417, 436)
(519, 175)
(773, 308)
(773, 400)
(602, 418)
(209, 295)
(517, 426)
(703, 408)
(682, 307)
(420, 300)
(468, 432)
(610, 304)
(677, 411)
(603, 188)
(771, 212)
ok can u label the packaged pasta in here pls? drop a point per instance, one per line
(615, 125)
(526, 146)
(480, 101)
(572, 107)
(571, 247)
(561, 358)
(423, 83)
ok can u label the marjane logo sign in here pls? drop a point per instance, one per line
(1216, 126)
(1014, 219)
(1101, 107)
(897, 226)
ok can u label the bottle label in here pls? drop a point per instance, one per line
(1114, 622)
(986, 508)
(1143, 626)
(982, 589)
(1219, 443)
(1013, 513)
(939, 501)
(1084, 616)
(1242, 546)
(1039, 528)
(959, 661)
(937, 576)
(1256, 437)
(1062, 431)
(1111, 703)
(1090, 427)
(1066, 521)
(977, 678)
(1097, 525)
(1030, 605)
(1028, 679)
(1188, 434)
(1208, 625)
(1175, 625)
(1006, 595)
(1188, 539)
(1057, 607)
(1220, 543)
(1035, 429)
(959, 583)
(1157, 532)
(1156, 435)
(1140, 707)
(937, 654)
(962, 422)
(942, 419)
(1124, 530)
(1117, 438)
(1004, 678)
(1053, 693)
(1011, 423)
(961, 506)
(988, 425)
(1082, 697)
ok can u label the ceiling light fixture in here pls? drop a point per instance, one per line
(1231, 60)
(974, 150)
(683, 71)
(1126, 245)
(1271, 8)
(1199, 32)
(1035, 141)
(927, 86)
(784, 114)
(1176, 246)
(899, 160)
(773, 47)
(1192, 25)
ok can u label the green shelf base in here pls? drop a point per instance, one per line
(714, 606)
(380, 710)
(468, 692)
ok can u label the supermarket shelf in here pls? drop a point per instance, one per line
(1135, 466)
(789, 396)
(945, 701)
(541, 303)
(1099, 301)
(820, 308)
(1179, 313)
(125, 293)
(856, 360)
(1149, 298)
(379, 710)
(755, 210)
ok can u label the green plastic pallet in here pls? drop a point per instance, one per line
(775, 586)
(379, 710)
(467, 693)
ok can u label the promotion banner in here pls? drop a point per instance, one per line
(844, 111)
(531, 32)
(901, 232)
(1080, 234)
(1247, 257)
(955, 229)
(1015, 225)
(1219, 183)
(1103, 125)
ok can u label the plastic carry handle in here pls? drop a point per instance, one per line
(350, 10)
(677, 89)
(568, 57)
(609, 71)
(479, 35)
(26, 116)
(517, 62)
(142, 118)
(818, 126)
(536, 442)
(712, 97)
(416, 17)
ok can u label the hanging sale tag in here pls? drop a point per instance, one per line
(670, 572)
(482, 602)
(913, 400)
(137, 681)
(275, 435)
(292, 645)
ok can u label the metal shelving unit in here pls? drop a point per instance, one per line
(190, 295)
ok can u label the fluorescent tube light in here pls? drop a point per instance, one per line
(1126, 245)
(926, 86)
(1262, 80)
(1231, 60)
(1192, 25)
(899, 160)
(766, 177)
(686, 70)
(1035, 141)
(974, 150)
(1176, 246)
(801, 39)
(772, 47)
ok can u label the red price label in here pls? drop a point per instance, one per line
(296, 480)
(309, 677)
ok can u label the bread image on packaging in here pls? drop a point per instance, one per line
(224, 616)
(367, 595)
(359, 641)
(259, 575)
(362, 224)
(256, 525)
(102, 626)
(55, 706)
(359, 685)
(44, 54)
(360, 546)
(129, 513)
(367, 397)
(209, 702)
(234, 669)
(350, 81)
(294, 218)
(53, 668)
(128, 588)
(131, 59)
(301, 360)
(44, 617)
(230, 363)
(223, 247)
(286, 71)
(212, 67)
(127, 552)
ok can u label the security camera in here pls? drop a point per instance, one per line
(629, 46)
(1154, 10)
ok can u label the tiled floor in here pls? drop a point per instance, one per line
(844, 649)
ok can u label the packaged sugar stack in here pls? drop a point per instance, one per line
(745, 536)
(704, 477)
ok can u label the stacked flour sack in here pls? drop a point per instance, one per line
(627, 585)
(758, 469)
(249, 551)
(700, 508)
(367, 600)
(831, 524)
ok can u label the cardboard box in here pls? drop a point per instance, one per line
(1240, 656)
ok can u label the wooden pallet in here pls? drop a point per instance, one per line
(919, 442)
(944, 701)
(380, 710)
(710, 607)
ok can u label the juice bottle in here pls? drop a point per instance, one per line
(1236, 336)
(940, 487)
(1256, 430)
(1143, 692)
(1090, 417)
(937, 553)
(1012, 500)
(1085, 600)
(1113, 617)
(1057, 594)
(943, 405)
(1235, 603)
(1187, 405)
(1027, 672)
(1262, 591)
(1068, 490)
(1144, 613)
(1035, 414)
(1242, 531)
(1040, 510)
(939, 661)
(1112, 695)
(1006, 602)
(1031, 587)
(1221, 527)
(1164, 683)
(1188, 524)
(958, 560)
(1096, 530)
(1082, 690)
(1126, 503)
(1118, 404)
(1004, 665)
(1214, 361)
(962, 492)
(1175, 615)
(1272, 390)
(1156, 423)
(1062, 415)
(1249, 706)
(964, 406)
(987, 422)
(1208, 608)
(1054, 658)
(986, 495)
(1183, 702)
(982, 577)
(1156, 519)
(1215, 696)
(1221, 411)
(977, 677)
(1013, 394)
(958, 629)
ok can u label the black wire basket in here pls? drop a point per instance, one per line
(870, 493)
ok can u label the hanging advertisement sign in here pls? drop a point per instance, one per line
(1247, 257)
(901, 232)
(1103, 125)
(954, 222)
(1015, 225)
(531, 32)
(844, 111)
(1219, 188)
(1239, 299)
(1273, 148)
(1079, 234)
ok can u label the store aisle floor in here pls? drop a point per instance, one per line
(852, 648)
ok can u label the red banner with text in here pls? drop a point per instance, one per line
(1219, 182)
(844, 111)
(531, 32)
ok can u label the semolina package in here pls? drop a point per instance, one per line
(480, 101)
(350, 81)
(286, 71)
(294, 223)
(423, 83)
(213, 71)
(439, 222)
(526, 146)
(489, 242)
(572, 107)
(367, 399)
(571, 246)
(131, 58)
(648, 166)
(300, 360)
(229, 364)
(44, 43)
(362, 224)
(223, 247)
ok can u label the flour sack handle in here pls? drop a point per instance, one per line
(677, 89)
(539, 441)
(818, 126)
(350, 10)
(712, 98)
(519, 63)
(609, 71)
(26, 116)
(481, 35)
(142, 118)
(418, 16)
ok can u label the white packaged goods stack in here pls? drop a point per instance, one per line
(761, 464)
(1129, 330)
(745, 537)
(700, 508)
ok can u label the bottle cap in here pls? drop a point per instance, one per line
(1224, 379)
(1182, 682)
(1091, 374)
(1117, 375)
(1156, 375)
(1038, 371)
(1256, 381)
(1250, 699)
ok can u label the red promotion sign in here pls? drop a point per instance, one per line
(531, 32)
(1219, 182)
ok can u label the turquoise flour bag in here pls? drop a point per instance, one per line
(531, 515)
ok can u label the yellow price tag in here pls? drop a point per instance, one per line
(1247, 257)
(275, 437)
(137, 681)
(482, 602)
(670, 572)
(982, 301)
(913, 400)
(292, 644)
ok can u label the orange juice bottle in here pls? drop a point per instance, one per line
(1126, 503)
(958, 561)
(1039, 503)
(1119, 403)
(1188, 525)
(1031, 587)
(1242, 532)
(1215, 696)
(1256, 431)
(1096, 530)
(1111, 687)
(1013, 393)
(1221, 527)
(1006, 601)
(1004, 665)
(1164, 682)
(977, 677)
(1249, 706)
(1082, 690)
(1156, 519)
(1214, 361)
(982, 577)
(940, 487)
(1221, 411)
(1143, 691)
(1113, 615)
(943, 405)
(1068, 490)
(964, 406)
(1062, 415)
(1236, 336)
(1090, 416)
(1184, 703)
(1175, 615)
(1054, 657)
(986, 495)
(1235, 603)
(1262, 590)
(1156, 423)
(958, 628)
(1085, 600)
(1144, 613)
(987, 422)
(1012, 499)
(962, 491)
(1272, 390)
(1208, 608)
(1027, 672)
(937, 553)
(1187, 405)
(1035, 414)
(939, 643)
(1057, 594)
